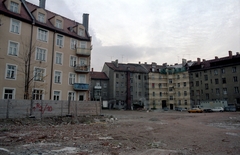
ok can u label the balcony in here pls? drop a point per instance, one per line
(81, 86)
(82, 68)
(83, 51)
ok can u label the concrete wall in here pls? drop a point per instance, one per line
(47, 108)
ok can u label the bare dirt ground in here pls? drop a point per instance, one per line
(124, 133)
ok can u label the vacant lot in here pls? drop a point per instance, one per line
(124, 133)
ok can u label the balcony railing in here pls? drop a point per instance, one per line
(82, 68)
(83, 51)
(81, 86)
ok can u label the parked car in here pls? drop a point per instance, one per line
(195, 110)
(179, 109)
(219, 109)
(230, 108)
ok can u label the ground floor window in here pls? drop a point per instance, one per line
(9, 93)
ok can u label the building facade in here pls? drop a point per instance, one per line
(99, 86)
(216, 80)
(128, 85)
(43, 55)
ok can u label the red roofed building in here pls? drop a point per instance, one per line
(43, 54)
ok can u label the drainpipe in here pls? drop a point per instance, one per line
(51, 77)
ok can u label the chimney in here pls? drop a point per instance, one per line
(139, 62)
(85, 21)
(230, 54)
(184, 61)
(42, 3)
(116, 62)
(203, 60)
(216, 57)
(198, 61)
(237, 53)
(92, 70)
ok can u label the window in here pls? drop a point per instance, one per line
(160, 85)
(171, 97)
(15, 26)
(236, 90)
(41, 54)
(71, 96)
(39, 74)
(82, 78)
(14, 7)
(224, 90)
(206, 86)
(178, 84)
(73, 43)
(105, 85)
(178, 76)
(73, 61)
(153, 94)
(56, 95)
(41, 17)
(60, 40)
(224, 80)
(83, 61)
(37, 94)
(13, 48)
(81, 32)
(11, 71)
(192, 92)
(222, 70)
(184, 84)
(197, 83)
(185, 93)
(57, 77)
(170, 88)
(139, 77)
(216, 81)
(234, 69)
(207, 96)
(235, 79)
(9, 93)
(215, 72)
(42, 35)
(160, 94)
(153, 85)
(170, 80)
(59, 58)
(206, 77)
(217, 91)
(83, 44)
(185, 102)
(116, 75)
(58, 24)
(179, 93)
(196, 74)
(179, 102)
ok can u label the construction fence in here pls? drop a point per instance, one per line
(47, 108)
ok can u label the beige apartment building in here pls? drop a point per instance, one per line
(42, 54)
(169, 86)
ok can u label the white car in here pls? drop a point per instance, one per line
(219, 109)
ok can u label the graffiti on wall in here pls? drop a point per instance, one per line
(42, 109)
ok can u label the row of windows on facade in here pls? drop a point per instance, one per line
(15, 7)
(41, 55)
(40, 73)
(42, 35)
(224, 81)
(215, 72)
(139, 94)
(145, 77)
(38, 94)
(235, 89)
(179, 102)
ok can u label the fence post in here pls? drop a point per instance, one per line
(7, 114)
(69, 101)
(42, 109)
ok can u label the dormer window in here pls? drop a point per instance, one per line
(41, 17)
(58, 24)
(14, 7)
(81, 32)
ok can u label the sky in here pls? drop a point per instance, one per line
(161, 31)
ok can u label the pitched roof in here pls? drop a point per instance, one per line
(98, 75)
(137, 68)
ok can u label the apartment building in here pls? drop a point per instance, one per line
(169, 85)
(216, 80)
(99, 86)
(128, 85)
(43, 54)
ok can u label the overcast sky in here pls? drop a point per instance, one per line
(155, 30)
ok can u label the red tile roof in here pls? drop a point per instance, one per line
(98, 75)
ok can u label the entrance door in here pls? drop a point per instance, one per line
(171, 106)
(164, 104)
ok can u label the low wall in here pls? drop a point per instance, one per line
(47, 108)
